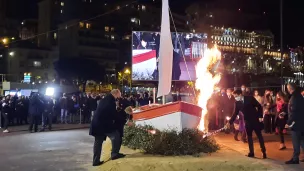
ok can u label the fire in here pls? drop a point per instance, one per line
(206, 81)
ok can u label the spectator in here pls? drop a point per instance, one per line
(295, 122)
(281, 117)
(64, 109)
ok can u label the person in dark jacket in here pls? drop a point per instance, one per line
(93, 104)
(103, 125)
(295, 121)
(5, 114)
(122, 117)
(253, 116)
(35, 111)
(64, 109)
(19, 110)
(281, 116)
(73, 109)
(84, 109)
(47, 115)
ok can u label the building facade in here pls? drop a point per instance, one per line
(243, 50)
(36, 62)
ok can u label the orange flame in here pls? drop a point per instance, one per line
(206, 81)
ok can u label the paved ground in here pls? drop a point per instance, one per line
(72, 150)
(272, 146)
(16, 130)
(47, 151)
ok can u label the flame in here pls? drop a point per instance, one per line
(206, 81)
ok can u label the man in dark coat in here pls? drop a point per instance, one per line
(253, 116)
(35, 111)
(103, 125)
(295, 122)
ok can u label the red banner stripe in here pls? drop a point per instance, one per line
(144, 57)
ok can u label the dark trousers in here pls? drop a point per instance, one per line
(19, 116)
(34, 121)
(115, 140)
(47, 119)
(24, 116)
(268, 123)
(258, 132)
(297, 143)
(281, 134)
(86, 116)
(6, 120)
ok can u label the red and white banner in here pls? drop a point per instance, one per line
(144, 64)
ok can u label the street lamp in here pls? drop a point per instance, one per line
(4, 41)
(127, 71)
(12, 53)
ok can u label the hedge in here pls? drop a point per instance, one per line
(169, 142)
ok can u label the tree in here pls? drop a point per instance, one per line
(79, 69)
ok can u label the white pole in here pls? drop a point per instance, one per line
(154, 95)
(164, 99)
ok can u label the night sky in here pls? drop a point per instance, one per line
(293, 14)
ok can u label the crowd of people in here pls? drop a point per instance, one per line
(45, 110)
(250, 112)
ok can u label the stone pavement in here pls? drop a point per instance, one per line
(272, 147)
(14, 130)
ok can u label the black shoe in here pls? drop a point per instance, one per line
(264, 156)
(98, 164)
(292, 162)
(250, 155)
(118, 156)
(236, 139)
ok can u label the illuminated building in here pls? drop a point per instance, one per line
(296, 59)
(28, 30)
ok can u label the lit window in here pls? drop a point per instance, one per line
(62, 3)
(81, 24)
(107, 29)
(55, 36)
(143, 8)
(37, 64)
(126, 37)
(135, 20)
(88, 25)
(112, 37)
(112, 28)
(61, 11)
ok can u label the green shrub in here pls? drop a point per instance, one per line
(169, 143)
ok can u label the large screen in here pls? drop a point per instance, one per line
(188, 49)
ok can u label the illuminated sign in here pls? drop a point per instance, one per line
(27, 78)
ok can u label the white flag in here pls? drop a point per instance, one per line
(165, 53)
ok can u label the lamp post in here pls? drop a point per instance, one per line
(122, 74)
(281, 25)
